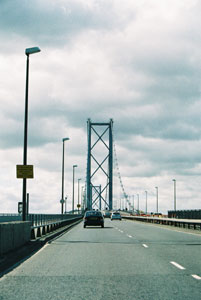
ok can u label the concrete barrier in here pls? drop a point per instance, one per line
(14, 235)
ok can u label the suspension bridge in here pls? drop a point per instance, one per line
(101, 159)
(127, 259)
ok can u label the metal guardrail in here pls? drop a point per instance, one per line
(43, 224)
(10, 217)
(45, 219)
(184, 223)
(38, 219)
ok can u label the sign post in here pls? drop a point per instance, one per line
(24, 172)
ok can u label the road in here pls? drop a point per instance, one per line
(125, 260)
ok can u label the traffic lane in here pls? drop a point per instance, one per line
(155, 233)
(180, 247)
(79, 266)
(79, 250)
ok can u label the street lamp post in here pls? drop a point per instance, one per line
(138, 203)
(28, 51)
(66, 203)
(62, 185)
(82, 198)
(73, 200)
(156, 199)
(78, 194)
(146, 202)
(175, 204)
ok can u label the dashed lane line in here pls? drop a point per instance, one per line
(172, 262)
(177, 265)
(128, 235)
(196, 277)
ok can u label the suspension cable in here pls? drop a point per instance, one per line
(118, 172)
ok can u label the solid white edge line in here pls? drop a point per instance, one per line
(177, 265)
(196, 277)
(144, 245)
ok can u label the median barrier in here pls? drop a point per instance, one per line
(17, 233)
(14, 235)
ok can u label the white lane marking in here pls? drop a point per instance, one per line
(121, 231)
(196, 277)
(130, 236)
(177, 265)
(144, 245)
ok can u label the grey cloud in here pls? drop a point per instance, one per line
(54, 22)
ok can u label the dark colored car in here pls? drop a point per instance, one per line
(93, 218)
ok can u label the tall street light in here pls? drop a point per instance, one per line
(78, 194)
(73, 200)
(138, 203)
(66, 203)
(62, 185)
(28, 51)
(82, 198)
(146, 202)
(175, 204)
(156, 199)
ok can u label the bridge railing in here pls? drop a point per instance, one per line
(10, 217)
(42, 224)
(185, 223)
(46, 219)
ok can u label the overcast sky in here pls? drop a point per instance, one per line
(137, 62)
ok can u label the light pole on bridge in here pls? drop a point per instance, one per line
(62, 201)
(138, 203)
(73, 196)
(28, 51)
(78, 194)
(156, 199)
(175, 204)
(146, 202)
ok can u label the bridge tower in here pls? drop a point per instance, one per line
(100, 164)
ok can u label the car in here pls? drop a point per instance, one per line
(93, 218)
(116, 216)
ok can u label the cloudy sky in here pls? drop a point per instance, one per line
(137, 62)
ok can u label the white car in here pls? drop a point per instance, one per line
(115, 216)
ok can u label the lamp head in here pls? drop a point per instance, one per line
(65, 139)
(32, 50)
(74, 166)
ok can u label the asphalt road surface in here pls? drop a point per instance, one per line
(125, 260)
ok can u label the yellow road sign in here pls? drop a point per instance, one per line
(24, 171)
